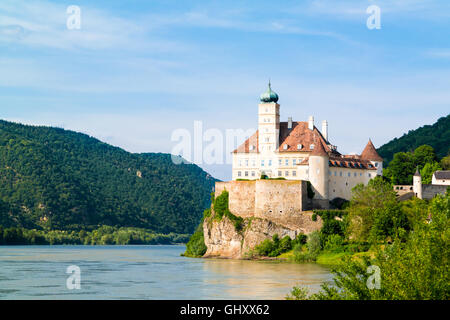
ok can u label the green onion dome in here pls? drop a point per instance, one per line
(269, 95)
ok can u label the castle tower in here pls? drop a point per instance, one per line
(417, 184)
(370, 153)
(318, 174)
(268, 122)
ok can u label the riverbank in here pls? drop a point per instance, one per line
(104, 235)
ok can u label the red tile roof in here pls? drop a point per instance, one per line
(245, 147)
(299, 134)
(370, 153)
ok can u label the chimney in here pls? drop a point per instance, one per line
(311, 123)
(325, 129)
(290, 123)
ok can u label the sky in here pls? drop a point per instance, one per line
(138, 70)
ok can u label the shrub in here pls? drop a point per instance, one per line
(196, 246)
(313, 243)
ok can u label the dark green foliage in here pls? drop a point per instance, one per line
(374, 213)
(436, 136)
(339, 203)
(264, 176)
(411, 269)
(277, 246)
(56, 179)
(105, 235)
(401, 169)
(332, 226)
(196, 247)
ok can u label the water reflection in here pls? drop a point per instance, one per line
(261, 279)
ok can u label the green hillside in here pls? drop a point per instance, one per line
(57, 179)
(436, 135)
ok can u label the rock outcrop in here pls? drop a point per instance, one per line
(224, 240)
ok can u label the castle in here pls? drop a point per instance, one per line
(299, 151)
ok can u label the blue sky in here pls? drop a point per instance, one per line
(138, 70)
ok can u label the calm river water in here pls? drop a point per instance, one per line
(145, 272)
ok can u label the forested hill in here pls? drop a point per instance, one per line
(57, 179)
(436, 135)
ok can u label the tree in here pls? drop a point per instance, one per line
(445, 163)
(415, 268)
(428, 170)
(423, 155)
(401, 169)
(374, 212)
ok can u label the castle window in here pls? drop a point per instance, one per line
(280, 173)
(252, 148)
(246, 173)
(335, 173)
(340, 173)
(279, 162)
(349, 174)
(294, 173)
(376, 164)
(370, 175)
(330, 173)
(262, 163)
(294, 162)
(286, 162)
(299, 147)
(246, 163)
(360, 174)
(311, 147)
(239, 173)
(267, 139)
(355, 174)
(254, 163)
(253, 173)
(285, 147)
(270, 163)
(240, 163)
(287, 173)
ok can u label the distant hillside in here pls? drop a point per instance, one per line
(436, 135)
(59, 179)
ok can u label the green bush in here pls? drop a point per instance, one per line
(196, 246)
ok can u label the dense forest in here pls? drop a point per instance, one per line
(436, 136)
(54, 179)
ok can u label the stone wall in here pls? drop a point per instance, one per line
(429, 191)
(280, 201)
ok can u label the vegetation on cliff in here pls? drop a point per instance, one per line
(436, 135)
(54, 179)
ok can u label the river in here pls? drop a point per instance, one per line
(145, 272)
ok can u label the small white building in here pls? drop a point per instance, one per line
(297, 150)
(441, 178)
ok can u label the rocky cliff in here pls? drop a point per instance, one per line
(224, 240)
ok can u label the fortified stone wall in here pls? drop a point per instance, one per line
(429, 191)
(280, 201)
